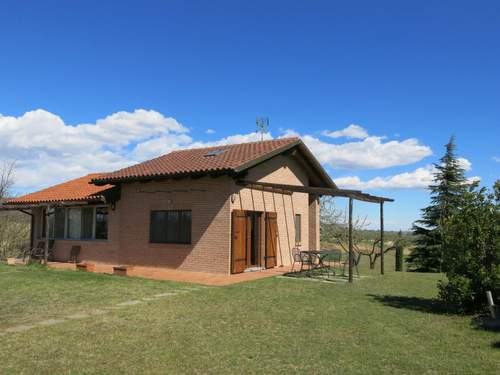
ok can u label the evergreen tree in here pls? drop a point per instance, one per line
(449, 185)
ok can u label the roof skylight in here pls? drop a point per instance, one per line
(215, 152)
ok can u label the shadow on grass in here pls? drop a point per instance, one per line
(488, 324)
(495, 345)
(427, 305)
(318, 274)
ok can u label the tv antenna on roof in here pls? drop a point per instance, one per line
(262, 126)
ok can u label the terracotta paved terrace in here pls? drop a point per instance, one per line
(168, 274)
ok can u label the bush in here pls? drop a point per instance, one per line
(14, 234)
(457, 293)
(471, 251)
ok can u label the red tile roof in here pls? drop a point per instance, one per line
(79, 189)
(224, 159)
(232, 158)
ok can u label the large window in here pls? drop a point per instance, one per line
(298, 229)
(78, 223)
(170, 227)
(74, 223)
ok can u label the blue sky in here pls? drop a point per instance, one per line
(409, 73)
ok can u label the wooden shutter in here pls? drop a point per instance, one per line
(239, 240)
(271, 238)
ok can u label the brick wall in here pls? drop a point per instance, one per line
(207, 198)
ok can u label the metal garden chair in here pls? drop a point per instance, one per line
(302, 257)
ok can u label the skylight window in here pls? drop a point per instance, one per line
(215, 152)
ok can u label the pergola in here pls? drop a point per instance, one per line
(334, 192)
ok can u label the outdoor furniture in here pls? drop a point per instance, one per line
(316, 258)
(75, 252)
(302, 257)
(329, 258)
(38, 252)
(313, 259)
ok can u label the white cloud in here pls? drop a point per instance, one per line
(286, 133)
(370, 153)
(210, 131)
(419, 178)
(352, 131)
(162, 145)
(473, 179)
(496, 158)
(47, 150)
(465, 164)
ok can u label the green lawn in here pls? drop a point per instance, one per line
(378, 325)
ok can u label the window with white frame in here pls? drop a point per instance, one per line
(79, 223)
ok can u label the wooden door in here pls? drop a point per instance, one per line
(271, 239)
(239, 241)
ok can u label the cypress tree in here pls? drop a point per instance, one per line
(449, 185)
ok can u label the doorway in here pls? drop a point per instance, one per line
(253, 240)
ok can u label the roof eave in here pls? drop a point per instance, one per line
(155, 177)
(65, 202)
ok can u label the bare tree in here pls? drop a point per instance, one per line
(335, 229)
(6, 178)
(14, 228)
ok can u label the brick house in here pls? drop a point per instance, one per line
(189, 210)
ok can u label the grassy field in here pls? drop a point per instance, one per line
(76, 323)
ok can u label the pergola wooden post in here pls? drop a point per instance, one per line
(351, 245)
(46, 246)
(382, 237)
(334, 192)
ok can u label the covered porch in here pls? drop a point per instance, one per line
(314, 192)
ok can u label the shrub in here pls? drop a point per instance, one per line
(457, 293)
(471, 251)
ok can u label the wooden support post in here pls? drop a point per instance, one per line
(351, 251)
(382, 237)
(46, 247)
(32, 232)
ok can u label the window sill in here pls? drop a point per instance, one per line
(170, 244)
(75, 240)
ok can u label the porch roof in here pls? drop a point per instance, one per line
(77, 190)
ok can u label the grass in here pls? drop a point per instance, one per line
(271, 326)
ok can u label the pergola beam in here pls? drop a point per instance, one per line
(346, 193)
